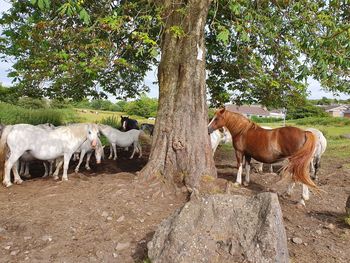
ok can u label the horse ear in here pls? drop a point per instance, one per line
(222, 111)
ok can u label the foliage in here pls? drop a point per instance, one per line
(266, 120)
(74, 49)
(8, 95)
(10, 114)
(144, 106)
(32, 103)
(263, 51)
(112, 121)
(304, 111)
(326, 121)
(60, 104)
(257, 51)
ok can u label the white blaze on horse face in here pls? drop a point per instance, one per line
(124, 125)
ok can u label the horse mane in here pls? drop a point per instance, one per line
(238, 124)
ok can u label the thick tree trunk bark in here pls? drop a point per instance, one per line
(181, 149)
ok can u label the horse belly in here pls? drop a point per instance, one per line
(47, 152)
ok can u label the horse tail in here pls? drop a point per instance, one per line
(3, 150)
(299, 162)
(145, 137)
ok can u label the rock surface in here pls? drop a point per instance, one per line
(222, 228)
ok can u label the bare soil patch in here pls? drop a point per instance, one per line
(108, 214)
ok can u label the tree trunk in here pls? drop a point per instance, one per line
(181, 150)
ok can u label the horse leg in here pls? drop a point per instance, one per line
(26, 171)
(306, 194)
(22, 167)
(46, 169)
(317, 167)
(290, 188)
(115, 151)
(133, 151)
(312, 168)
(247, 169)
(9, 163)
(17, 178)
(271, 168)
(239, 157)
(260, 167)
(110, 151)
(88, 156)
(59, 163)
(82, 153)
(66, 159)
(140, 149)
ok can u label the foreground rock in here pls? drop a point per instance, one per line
(222, 228)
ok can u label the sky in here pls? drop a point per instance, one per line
(315, 89)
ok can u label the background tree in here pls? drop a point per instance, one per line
(257, 51)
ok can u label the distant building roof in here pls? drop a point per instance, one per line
(329, 108)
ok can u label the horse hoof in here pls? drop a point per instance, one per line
(20, 181)
(245, 183)
(64, 179)
(88, 168)
(109, 157)
(114, 159)
(236, 184)
(7, 184)
(55, 177)
(301, 204)
(76, 171)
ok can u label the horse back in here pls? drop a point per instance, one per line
(270, 145)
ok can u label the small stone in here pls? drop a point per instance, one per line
(115, 255)
(142, 220)
(121, 219)
(122, 246)
(14, 252)
(149, 213)
(7, 247)
(27, 238)
(318, 231)
(26, 258)
(297, 240)
(104, 214)
(46, 238)
(109, 218)
(330, 226)
(2, 229)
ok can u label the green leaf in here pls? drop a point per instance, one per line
(84, 16)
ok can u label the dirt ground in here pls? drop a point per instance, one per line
(109, 214)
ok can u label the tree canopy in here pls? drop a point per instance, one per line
(257, 51)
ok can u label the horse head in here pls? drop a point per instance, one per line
(124, 121)
(218, 121)
(92, 134)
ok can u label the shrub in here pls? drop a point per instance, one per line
(326, 121)
(32, 103)
(266, 120)
(111, 121)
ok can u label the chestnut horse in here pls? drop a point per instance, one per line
(268, 146)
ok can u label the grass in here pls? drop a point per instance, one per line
(10, 114)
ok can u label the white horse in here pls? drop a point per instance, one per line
(122, 139)
(26, 158)
(319, 151)
(321, 145)
(86, 148)
(42, 144)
